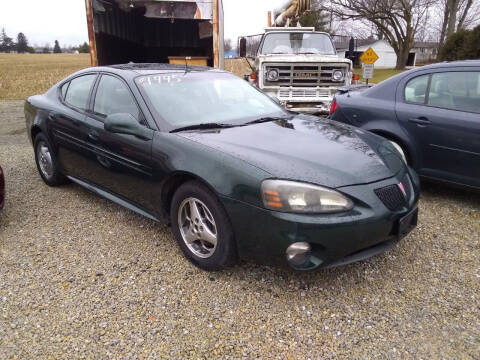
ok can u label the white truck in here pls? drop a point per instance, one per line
(298, 66)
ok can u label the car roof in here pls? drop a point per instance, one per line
(385, 89)
(134, 69)
(450, 64)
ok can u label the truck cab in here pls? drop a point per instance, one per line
(300, 67)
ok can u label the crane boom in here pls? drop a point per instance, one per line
(291, 11)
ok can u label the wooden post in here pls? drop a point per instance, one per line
(216, 54)
(91, 33)
(269, 19)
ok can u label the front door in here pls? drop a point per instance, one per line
(454, 100)
(119, 163)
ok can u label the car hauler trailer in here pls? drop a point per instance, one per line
(144, 31)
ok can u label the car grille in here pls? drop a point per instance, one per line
(305, 75)
(392, 196)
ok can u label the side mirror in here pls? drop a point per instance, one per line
(124, 123)
(243, 48)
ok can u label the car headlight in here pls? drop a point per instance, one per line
(338, 75)
(292, 196)
(394, 148)
(273, 75)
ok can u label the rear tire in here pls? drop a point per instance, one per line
(202, 228)
(47, 164)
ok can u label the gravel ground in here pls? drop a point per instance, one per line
(84, 278)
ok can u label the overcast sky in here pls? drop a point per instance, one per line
(44, 21)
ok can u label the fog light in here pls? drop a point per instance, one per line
(298, 253)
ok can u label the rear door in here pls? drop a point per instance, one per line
(67, 126)
(441, 111)
(118, 163)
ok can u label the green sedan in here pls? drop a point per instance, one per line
(236, 175)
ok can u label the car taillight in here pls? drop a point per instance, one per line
(333, 107)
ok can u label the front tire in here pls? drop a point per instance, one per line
(202, 228)
(47, 163)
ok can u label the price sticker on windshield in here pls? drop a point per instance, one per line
(369, 56)
(160, 79)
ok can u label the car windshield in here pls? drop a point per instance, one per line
(297, 43)
(193, 98)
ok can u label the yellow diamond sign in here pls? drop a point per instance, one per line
(369, 56)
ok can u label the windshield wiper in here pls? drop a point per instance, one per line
(204, 126)
(268, 119)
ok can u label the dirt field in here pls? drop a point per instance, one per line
(82, 278)
(23, 75)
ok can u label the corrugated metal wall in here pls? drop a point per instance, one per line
(130, 36)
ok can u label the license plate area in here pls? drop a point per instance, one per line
(407, 223)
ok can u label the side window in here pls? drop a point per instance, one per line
(456, 91)
(64, 90)
(416, 89)
(113, 97)
(78, 91)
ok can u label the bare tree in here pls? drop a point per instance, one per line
(457, 14)
(396, 20)
(227, 45)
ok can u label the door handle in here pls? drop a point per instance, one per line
(93, 135)
(422, 120)
(52, 116)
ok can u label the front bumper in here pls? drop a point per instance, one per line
(304, 100)
(336, 239)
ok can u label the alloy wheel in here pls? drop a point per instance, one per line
(197, 227)
(44, 159)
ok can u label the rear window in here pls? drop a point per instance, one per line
(64, 90)
(416, 90)
(79, 90)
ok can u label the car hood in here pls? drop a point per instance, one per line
(308, 149)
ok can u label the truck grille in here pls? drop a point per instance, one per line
(304, 75)
(302, 93)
